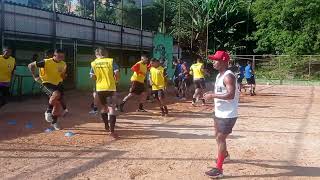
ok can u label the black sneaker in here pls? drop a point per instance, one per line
(214, 173)
(141, 110)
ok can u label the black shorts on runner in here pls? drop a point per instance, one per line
(224, 125)
(158, 93)
(199, 83)
(137, 87)
(105, 97)
(251, 80)
(4, 94)
(50, 88)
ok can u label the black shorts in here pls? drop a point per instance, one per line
(251, 80)
(137, 87)
(105, 97)
(199, 83)
(158, 93)
(224, 125)
(4, 94)
(50, 88)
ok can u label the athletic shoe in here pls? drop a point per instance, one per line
(251, 94)
(183, 99)
(214, 173)
(203, 102)
(193, 102)
(48, 117)
(93, 112)
(56, 126)
(141, 110)
(65, 112)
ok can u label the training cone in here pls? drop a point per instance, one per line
(48, 130)
(29, 125)
(12, 122)
(69, 134)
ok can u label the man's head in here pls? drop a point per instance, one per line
(155, 62)
(101, 52)
(144, 59)
(7, 52)
(179, 61)
(48, 53)
(58, 55)
(249, 63)
(199, 60)
(221, 60)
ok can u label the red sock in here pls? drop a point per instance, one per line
(220, 160)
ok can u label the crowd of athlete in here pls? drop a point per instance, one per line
(52, 70)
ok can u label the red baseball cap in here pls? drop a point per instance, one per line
(220, 56)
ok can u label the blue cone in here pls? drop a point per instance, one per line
(48, 130)
(29, 125)
(12, 122)
(69, 134)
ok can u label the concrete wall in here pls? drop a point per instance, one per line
(21, 20)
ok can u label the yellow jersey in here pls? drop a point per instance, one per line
(6, 68)
(197, 71)
(139, 72)
(103, 69)
(51, 71)
(157, 78)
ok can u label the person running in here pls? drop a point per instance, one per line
(226, 98)
(137, 83)
(54, 72)
(240, 75)
(249, 74)
(105, 72)
(7, 66)
(198, 72)
(158, 83)
(47, 55)
(177, 76)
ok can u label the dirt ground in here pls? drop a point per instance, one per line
(277, 136)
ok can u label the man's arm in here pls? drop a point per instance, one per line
(116, 71)
(92, 75)
(32, 68)
(230, 83)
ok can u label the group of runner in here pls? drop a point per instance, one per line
(105, 73)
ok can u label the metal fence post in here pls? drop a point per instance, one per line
(54, 24)
(309, 67)
(279, 64)
(2, 23)
(94, 23)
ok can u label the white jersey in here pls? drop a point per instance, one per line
(225, 108)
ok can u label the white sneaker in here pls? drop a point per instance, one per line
(56, 126)
(93, 112)
(65, 112)
(48, 117)
(183, 99)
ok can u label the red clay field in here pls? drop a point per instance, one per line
(277, 136)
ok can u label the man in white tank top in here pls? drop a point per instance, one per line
(226, 98)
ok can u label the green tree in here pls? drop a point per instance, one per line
(223, 17)
(287, 26)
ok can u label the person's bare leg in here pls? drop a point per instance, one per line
(113, 120)
(142, 99)
(125, 99)
(222, 149)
